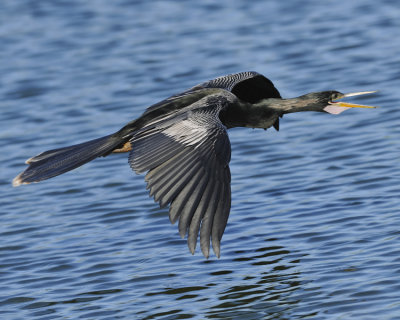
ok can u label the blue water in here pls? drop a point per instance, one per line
(314, 226)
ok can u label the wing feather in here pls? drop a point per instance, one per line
(171, 188)
(168, 165)
(178, 204)
(220, 220)
(248, 86)
(205, 205)
(191, 205)
(186, 156)
(206, 223)
(162, 149)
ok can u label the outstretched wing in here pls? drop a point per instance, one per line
(187, 158)
(248, 86)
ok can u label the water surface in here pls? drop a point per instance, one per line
(314, 225)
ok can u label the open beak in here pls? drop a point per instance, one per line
(336, 107)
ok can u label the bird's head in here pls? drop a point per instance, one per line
(336, 107)
(325, 101)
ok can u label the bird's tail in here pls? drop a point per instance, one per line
(52, 163)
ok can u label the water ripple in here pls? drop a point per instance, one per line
(313, 231)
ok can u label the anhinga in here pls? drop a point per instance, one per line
(183, 145)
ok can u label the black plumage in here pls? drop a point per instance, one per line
(182, 145)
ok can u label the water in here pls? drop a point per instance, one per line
(314, 226)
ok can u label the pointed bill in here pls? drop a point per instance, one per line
(352, 94)
(336, 107)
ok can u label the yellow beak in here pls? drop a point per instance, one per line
(336, 107)
(352, 105)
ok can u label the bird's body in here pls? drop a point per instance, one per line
(183, 145)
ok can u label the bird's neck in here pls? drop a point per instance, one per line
(264, 113)
(298, 104)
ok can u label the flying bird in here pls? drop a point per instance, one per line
(183, 146)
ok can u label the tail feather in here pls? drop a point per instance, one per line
(52, 163)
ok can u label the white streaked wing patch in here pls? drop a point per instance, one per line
(188, 132)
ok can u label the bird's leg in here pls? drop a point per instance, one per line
(125, 148)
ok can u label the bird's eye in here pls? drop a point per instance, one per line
(335, 96)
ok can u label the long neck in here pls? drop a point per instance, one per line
(263, 114)
(298, 104)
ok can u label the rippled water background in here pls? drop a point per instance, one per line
(314, 226)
